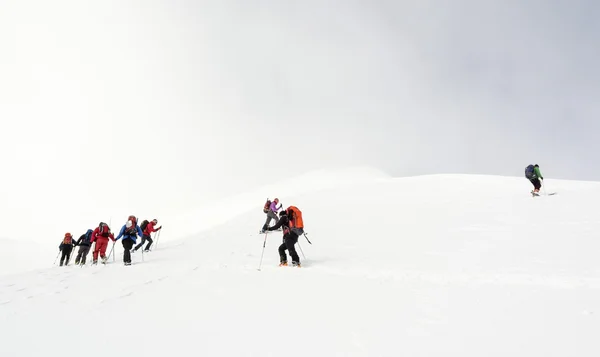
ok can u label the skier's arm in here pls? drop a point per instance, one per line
(94, 233)
(139, 231)
(120, 233)
(279, 224)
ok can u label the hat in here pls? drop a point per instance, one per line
(67, 234)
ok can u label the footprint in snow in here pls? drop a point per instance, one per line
(4, 302)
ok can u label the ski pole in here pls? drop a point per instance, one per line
(305, 236)
(56, 257)
(157, 237)
(544, 186)
(299, 246)
(263, 252)
(142, 249)
(111, 251)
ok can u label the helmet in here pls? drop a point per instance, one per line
(282, 213)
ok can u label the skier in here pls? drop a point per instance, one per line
(291, 222)
(533, 174)
(84, 243)
(147, 230)
(66, 247)
(271, 211)
(100, 236)
(129, 232)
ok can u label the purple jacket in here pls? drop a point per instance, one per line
(274, 207)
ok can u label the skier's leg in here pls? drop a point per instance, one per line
(290, 242)
(84, 252)
(267, 222)
(273, 215)
(282, 255)
(78, 256)
(127, 244)
(96, 251)
(141, 244)
(149, 239)
(69, 250)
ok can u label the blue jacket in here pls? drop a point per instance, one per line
(132, 237)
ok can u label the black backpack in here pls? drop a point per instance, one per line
(144, 224)
(529, 171)
(103, 230)
(87, 237)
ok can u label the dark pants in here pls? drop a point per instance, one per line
(66, 254)
(127, 244)
(82, 254)
(536, 183)
(289, 240)
(144, 239)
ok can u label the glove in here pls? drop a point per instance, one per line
(159, 228)
(541, 178)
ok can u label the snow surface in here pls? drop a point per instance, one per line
(441, 265)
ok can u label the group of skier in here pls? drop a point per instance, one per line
(100, 236)
(291, 223)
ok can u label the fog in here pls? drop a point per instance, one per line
(112, 108)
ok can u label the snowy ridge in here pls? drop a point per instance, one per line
(421, 266)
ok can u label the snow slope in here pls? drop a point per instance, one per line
(452, 265)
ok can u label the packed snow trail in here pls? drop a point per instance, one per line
(424, 266)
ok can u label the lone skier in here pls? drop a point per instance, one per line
(533, 174)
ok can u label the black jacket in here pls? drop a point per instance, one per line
(81, 243)
(284, 222)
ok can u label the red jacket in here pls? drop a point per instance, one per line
(96, 235)
(150, 228)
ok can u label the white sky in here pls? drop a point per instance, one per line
(117, 107)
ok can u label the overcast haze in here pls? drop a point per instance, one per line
(148, 107)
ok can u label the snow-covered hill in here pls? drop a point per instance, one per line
(442, 265)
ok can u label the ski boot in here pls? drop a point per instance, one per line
(283, 264)
(296, 264)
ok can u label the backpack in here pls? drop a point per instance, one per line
(87, 237)
(295, 216)
(131, 226)
(267, 206)
(144, 224)
(529, 172)
(103, 230)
